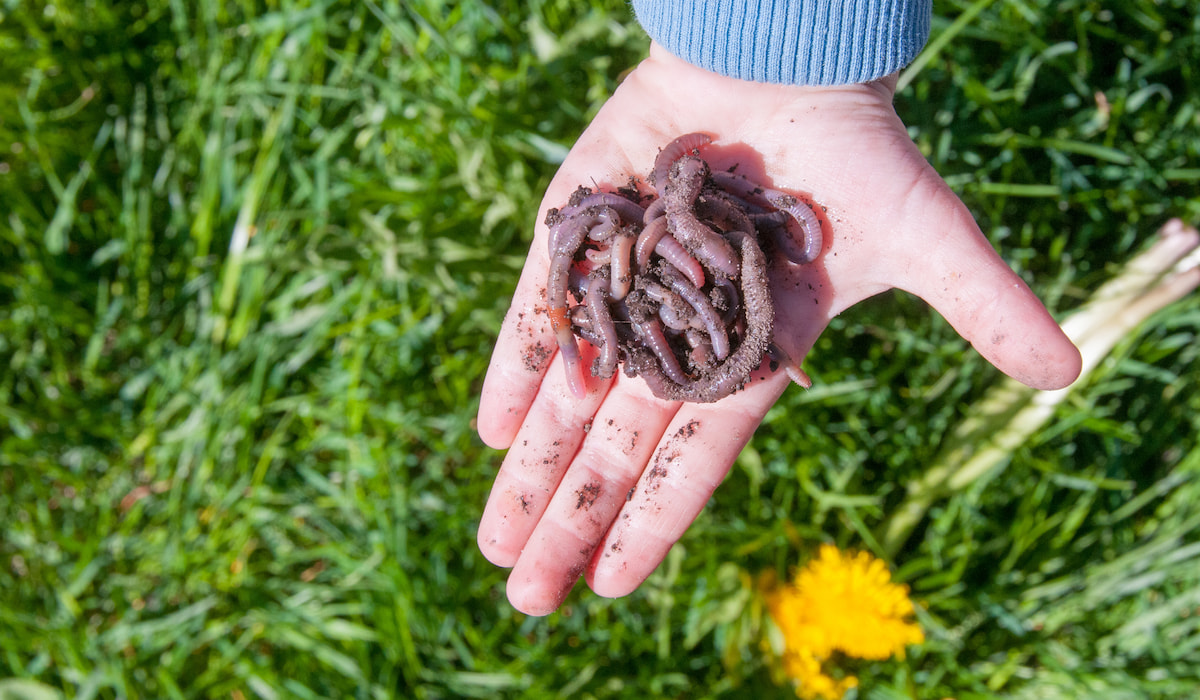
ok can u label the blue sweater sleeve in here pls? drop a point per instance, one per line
(796, 42)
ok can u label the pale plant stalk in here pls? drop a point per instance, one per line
(1008, 415)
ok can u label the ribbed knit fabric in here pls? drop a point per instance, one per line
(797, 42)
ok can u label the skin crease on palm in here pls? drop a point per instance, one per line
(603, 486)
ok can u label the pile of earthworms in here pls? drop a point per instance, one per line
(674, 284)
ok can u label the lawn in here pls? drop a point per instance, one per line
(253, 256)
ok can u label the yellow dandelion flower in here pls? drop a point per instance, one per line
(840, 603)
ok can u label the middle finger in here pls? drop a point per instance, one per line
(617, 448)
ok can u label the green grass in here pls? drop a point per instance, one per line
(252, 259)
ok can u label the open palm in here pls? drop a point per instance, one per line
(603, 486)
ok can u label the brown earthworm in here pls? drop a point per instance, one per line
(687, 178)
(680, 147)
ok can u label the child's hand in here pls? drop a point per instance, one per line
(604, 485)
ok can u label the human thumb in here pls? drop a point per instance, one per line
(944, 258)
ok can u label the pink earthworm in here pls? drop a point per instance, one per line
(607, 226)
(571, 233)
(648, 240)
(806, 217)
(724, 211)
(656, 209)
(580, 318)
(680, 147)
(597, 256)
(739, 186)
(692, 295)
(629, 213)
(790, 367)
(742, 187)
(577, 282)
(697, 339)
(629, 210)
(596, 301)
(705, 244)
(673, 252)
(672, 319)
(730, 375)
(651, 332)
(701, 355)
(672, 307)
(621, 254)
(655, 238)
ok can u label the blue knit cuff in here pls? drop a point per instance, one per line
(796, 42)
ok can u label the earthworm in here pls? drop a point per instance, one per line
(705, 244)
(732, 374)
(687, 178)
(569, 239)
(656, 209)
(585, 199)
(655, 238)
(724, 211)
(630, 211)
(602, 324)
(651, 331)
(807, 218)
(580, 318)
(679, 282)
(673, 310)
(740, 186)
(712, 320)
(621, 254)
(672, 319)
(702, 353)
(688, 143)
(597, 256)
(732, 301)
(696, 339)
(648, 240)
(790, 366)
